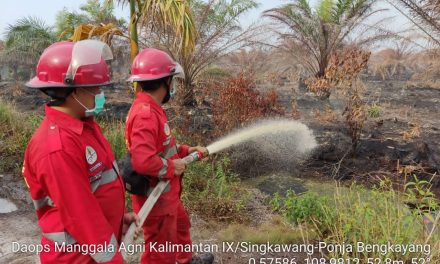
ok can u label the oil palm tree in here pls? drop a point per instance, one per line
(314, 34)
(25, 40)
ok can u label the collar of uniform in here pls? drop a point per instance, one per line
(147, 98)
(66, 121)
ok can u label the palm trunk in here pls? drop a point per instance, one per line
(189, 99)
(134, 46)
(15, 72)
(133, 31)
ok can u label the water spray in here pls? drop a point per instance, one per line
(268, 130)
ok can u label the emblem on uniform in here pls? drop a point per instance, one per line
(91, 155)
(167, 129)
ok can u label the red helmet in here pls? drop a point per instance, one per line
(152, 64)
(54, 63)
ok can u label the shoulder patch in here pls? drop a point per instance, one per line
(53, 138)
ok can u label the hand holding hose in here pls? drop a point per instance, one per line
(201, 149)
(179, 166)
(132, 218)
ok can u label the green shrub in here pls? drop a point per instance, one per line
(114, 131)
(374, 111)
(378, 216)
(16, 129)
(305, 207)
(373, 217)
(213, 191)
(418, 193)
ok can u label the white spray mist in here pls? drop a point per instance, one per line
(272, 136)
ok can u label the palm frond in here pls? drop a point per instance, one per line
(25, 40)
(423, 14)
(170, 13)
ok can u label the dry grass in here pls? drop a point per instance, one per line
(276, 232)
(295, 114)
(412, 133)
(407, 170)
(326, 116)
(433, 84)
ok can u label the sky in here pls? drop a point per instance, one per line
(11, 11)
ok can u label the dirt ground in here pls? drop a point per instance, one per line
(381, 149)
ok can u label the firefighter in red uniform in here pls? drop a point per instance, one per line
(154, 152)
(69, 166)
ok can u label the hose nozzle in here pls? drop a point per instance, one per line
(195, 156)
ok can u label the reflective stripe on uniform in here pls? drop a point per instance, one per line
(106, 256)
(60, 237)
(42, 202)
(163, 170)
(105, 177)
(169, 152)
(115, 166)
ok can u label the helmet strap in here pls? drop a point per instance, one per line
(168, 89)
(57, 97)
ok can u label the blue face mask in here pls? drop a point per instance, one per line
(99, 105)
(173, 89)
(171, 92)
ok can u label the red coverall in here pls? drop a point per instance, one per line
(77, 193)
(152, 148)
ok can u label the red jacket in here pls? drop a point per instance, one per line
(76, 189)
(152, 148)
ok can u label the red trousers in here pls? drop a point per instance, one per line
(162, 233)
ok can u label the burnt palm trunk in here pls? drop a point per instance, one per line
(189, 98)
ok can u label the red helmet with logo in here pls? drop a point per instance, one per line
(152, 64)
(57, 67)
